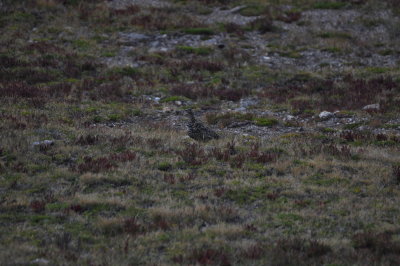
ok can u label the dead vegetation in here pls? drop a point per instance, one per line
(95, 170)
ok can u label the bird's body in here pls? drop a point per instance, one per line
(198, 131)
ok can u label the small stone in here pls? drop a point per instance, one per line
(40, 261)
(325, 115)
(372, 107)
(155, 44)
(167, 109)
(43, 143)
(289, 118)
(179, 103)
(247, 102)
(240, 109)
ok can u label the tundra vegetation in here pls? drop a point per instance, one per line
(96, 167)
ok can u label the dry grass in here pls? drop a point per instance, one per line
(120, 186)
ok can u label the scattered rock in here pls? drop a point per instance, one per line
(152, 98)
(247, 102)
(240, 109)
(40, 261)
(43, 143)
(372, 107)
(167, 109)
(132, 38)
(289, 118)
(220, 15)
(326, 115)
(120, 4)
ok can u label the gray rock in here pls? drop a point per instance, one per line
(326, 115)
(372, 107)
(240, 109)
(43, 143)
(247, 102)
(289, 118)
(132, 38)
(40, 261)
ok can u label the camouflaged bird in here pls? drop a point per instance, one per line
(198, 131)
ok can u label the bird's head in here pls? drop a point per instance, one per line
(191, 115)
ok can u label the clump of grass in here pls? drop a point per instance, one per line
(199, 31)
(165, 19)
(164, 166)
(191, 91)
(263, 156)
(329, 5)
(104, 163)
(333, 50)
(335, 35)
(173, 99)
(377, 70)
(81, 44)
(301, 248)
(234, 28)
(201, 64)
(350, 93)
(228, 118)
(209, 256)
(123, 71)
(263, 25)
(265, 122)
(380, 244)
(290, 54)
(193, 154)
(195, 50)
(128, 11)
(132, 226)
(253, 10)
(343, 152)
(88, 139)
(195, 91)
(169, 178)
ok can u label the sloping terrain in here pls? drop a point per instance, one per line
(96, 167)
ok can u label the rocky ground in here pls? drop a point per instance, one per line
(97, 168)
(367, 35)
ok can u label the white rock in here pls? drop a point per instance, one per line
(40, 261)
(325, 115)
(167, 109)
(178, 103)
(289, 118)
(43, 142)
(240, 109)
(375, 106)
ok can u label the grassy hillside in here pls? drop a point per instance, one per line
(96, 167)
